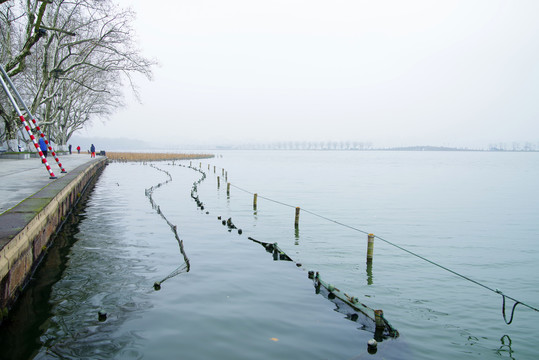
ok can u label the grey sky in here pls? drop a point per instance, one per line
(455, 73)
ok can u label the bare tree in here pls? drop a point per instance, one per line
(21, 28)
(76, 103)
(78, 70)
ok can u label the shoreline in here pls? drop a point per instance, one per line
(135, 156)
(28, 228)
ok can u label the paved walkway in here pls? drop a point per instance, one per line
(20, 179)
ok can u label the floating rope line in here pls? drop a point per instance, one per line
(194, 189)
(411, 253)
(181, 269)
(186, 266)
(346, 304)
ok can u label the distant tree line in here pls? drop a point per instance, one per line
(514, 146)
(309, 145)
(367, 145)
(69, 60)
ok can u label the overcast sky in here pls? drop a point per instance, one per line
(453, 73)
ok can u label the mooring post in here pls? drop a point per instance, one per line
(208, 166)
(228, 188)
(200, 165)
(214, 169)
(223, 172)
(296, 221)
(254, 201)
(370, 248)
(218, 182)
(379, 319)
(378, 315)
(190, 163)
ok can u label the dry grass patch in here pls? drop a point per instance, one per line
(133, 156)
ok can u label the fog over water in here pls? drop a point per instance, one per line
(390, 73)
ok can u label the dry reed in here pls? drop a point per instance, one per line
(134, 156)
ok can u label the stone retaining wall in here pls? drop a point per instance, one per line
(27, 229)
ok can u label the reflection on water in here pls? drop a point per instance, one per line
(238, 302)
(21, 333)
(248, 305)
(505, 348)
(104, 273)
(458, 209)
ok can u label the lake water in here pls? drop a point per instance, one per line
(475, 213)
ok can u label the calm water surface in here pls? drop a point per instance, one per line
(475, 213)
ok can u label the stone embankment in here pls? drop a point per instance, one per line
(27, 229)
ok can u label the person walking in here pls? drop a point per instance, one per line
(69, 149)
(78, 149)
(43, 146)
(92, 150)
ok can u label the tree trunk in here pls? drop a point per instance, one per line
(10, 132)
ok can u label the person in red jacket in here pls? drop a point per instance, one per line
(78, 149)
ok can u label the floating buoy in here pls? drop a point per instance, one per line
(101, 315)
(240, 231)
(157, 285)
(372, 346)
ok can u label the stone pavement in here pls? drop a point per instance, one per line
(20, 179)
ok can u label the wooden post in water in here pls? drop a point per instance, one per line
(370, 248)
(254, 201)
(190, 163)
(200, 165)
(214, 169)
(223, 172)
(208, 166)
(228, 188)
(218, 183)
(296, 221)
(379, 319)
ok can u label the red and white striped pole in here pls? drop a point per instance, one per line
(27, 127)
(34, 123)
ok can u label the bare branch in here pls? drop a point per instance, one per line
(59, 30)
(75, 75)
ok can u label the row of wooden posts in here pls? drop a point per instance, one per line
(370, 237)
